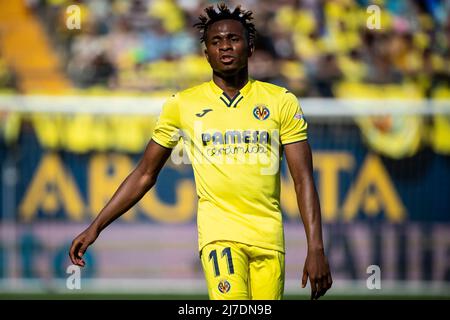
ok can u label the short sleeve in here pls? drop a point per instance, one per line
(293, 123)
(166, 132)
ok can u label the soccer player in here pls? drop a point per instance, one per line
(234, 130)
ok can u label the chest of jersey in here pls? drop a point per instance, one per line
(248, 117)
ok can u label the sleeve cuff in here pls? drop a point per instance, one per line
(293, 140)
(162, 144)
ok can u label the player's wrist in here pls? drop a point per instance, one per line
(96, 227)
(315, 248)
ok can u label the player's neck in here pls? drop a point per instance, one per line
(231, 84)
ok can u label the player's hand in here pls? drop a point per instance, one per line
(80, 244)
(317, 270)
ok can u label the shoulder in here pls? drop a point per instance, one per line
(282, 94)
(192, 92)
(181, 97)
(271, 88)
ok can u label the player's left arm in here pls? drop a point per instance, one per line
(299, 159)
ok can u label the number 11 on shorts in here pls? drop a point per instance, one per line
(225, 252)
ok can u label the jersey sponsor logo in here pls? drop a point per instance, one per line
(298, 116)
(236, 136)
(261, 112)
(224, 286)
(204, 111)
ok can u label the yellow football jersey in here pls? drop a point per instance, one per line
(234, 145)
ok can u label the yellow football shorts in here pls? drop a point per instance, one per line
(238, 271)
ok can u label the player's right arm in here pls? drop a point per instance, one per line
(132, 189)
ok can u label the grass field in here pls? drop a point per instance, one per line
(151, 289)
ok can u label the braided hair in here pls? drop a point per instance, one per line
(238, 14)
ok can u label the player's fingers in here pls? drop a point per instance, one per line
(319, 288)
(325, 283)
(330, 281)
(81, 252)
(313, 283)
(72, 252)
(304, 278)
(325, 286)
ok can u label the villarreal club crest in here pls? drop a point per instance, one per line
(261, 112)
(224, 286)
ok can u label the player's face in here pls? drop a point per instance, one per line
(227, 49)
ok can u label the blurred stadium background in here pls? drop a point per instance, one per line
(77, 107)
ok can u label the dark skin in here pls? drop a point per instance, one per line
(227, 50)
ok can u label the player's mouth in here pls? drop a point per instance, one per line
(226, 59)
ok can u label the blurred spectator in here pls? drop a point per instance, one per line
(7, 76)
(104, 71)
(327, 74)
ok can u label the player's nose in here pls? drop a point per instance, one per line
(225, 45)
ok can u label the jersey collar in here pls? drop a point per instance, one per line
(231, 102)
